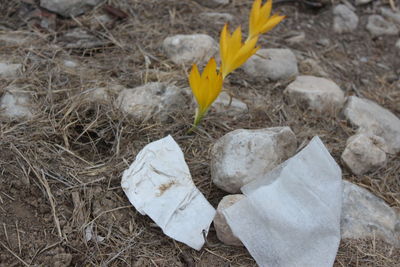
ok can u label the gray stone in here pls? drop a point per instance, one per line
(9, 70)
(390, 14)
(398, 44)
(216, 17)
(224, 232)
(242, 156)
(68, 8)
(272, 64)
(378, 26)
(295, 37)
(15, 38)
(364, 153)
(152, 100)
(363, 2)
(312, 67)
(189, 49)
(344, 20)
(366, 216)
(374, 119)
(16, 103)
(80, 39)
(318, 94)
(231, 106)
(212, 3)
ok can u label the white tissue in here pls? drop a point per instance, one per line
(159, 184)
(291, 216)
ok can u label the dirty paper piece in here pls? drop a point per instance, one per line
(291, 216)
(159, 184)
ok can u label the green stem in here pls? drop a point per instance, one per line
(198, 117)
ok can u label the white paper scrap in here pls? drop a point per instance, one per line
(158, 184)
(291, 216)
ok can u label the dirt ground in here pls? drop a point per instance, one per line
(60, 171)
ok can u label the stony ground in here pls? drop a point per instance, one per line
(60, 168)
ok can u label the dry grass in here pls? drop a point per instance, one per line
(60, 171)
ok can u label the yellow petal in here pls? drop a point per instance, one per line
(236, 41)
(194, 81)
(245, 52)
(254, 15)
(272, 22)
(266, 9)
(223, 42)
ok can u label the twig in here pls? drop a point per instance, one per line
(45, 184)
(15, 255)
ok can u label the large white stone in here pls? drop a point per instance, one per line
(152, 100)
(374, 119)
(191, 48)
(378, 26)
(366, 216)
(272, 64)
(9, 70)
(224, 232)
(318, 94)
(241, 156)
(291, 216)
(364, 153)
(344, 20)
(68, 8)
(212, 3)
(15, 103)
(158, 183)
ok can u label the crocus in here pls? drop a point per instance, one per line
(260, 21)
(234, 52)
(205, 87)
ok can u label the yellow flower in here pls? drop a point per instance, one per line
(205, 87)
(233, 52)
(260, 20)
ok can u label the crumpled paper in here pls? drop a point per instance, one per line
(158, 184)
(291, 216)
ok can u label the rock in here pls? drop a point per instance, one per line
(152, 100)
(189, 49)
(390, 14)
(102, 94)
(15, 38)
(295, 37)
(212, 3)
(362, 2)
(345, 20)
(366, 216)
(364, 153)
(324, 42)
(310, 66)
(374, 119)
(15, 103)
(80, 39)
(216, 18)
(9, 70)
(318, 94)
(272, 64)
(224, 232)
(232, 107)
(69, 8)
(70, 63)
(398, 44)
(378, 26)
(241, 156)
